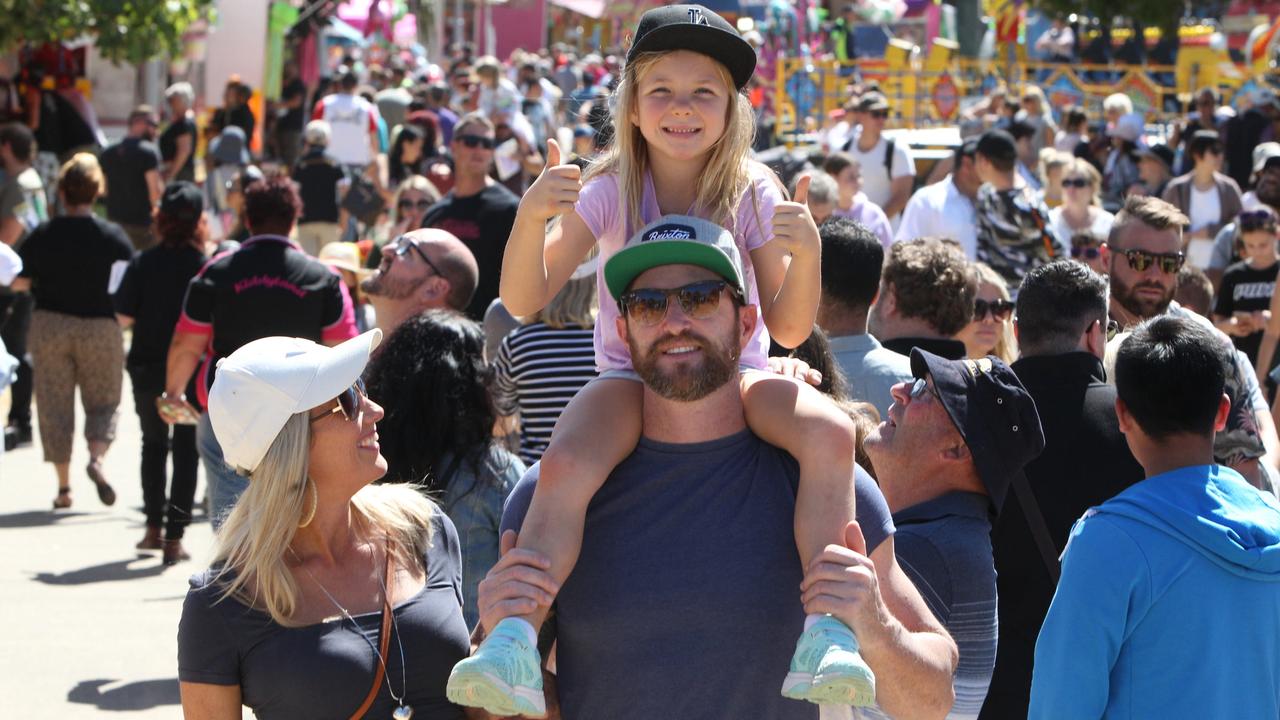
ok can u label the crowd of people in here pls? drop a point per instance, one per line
(523, 387)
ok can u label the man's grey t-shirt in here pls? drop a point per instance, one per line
(685, 601)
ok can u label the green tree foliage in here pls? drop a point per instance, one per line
(123, 30)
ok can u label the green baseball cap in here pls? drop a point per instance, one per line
(676, 240)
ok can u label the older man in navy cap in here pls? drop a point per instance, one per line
(955, 440)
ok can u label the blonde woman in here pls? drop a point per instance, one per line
(75, 342)
(991, 330)
(1051, 166)
(542, 364)
(328, 596)
(1081, 209)
(1035, 112)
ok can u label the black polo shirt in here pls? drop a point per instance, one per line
(269, 287)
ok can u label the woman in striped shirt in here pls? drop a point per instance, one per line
(541, 365)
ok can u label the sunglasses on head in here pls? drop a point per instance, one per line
(1253, 220)
(422, 204)
(404, 245)
(1000, 310)
(1140, 260)
(1088, 252)
(476, 141)
(699, 301)
(348, 402)
(1075, 183)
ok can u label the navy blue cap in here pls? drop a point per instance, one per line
(994, 413)
(694, 27)
(182, 200)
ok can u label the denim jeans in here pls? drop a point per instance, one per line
(225, 484)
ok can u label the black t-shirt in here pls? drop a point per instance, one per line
(69, 262)
(151, 293)
(483, 223)
(268, 287)
(1247, 289)
(294, 118)
(169, 146)
(125, 165)
(317, 176)
(242, 117)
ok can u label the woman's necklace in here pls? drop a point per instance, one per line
(402, 711)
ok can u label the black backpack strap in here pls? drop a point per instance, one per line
(1039, 529)
(889, 146)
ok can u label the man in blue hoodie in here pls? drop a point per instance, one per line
(1169, 602)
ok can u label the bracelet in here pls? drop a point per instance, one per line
(181, 398)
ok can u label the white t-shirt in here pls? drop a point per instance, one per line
(876, 179)
(353, 121)
(1099, 228)
(941, 210)
(1206, 208)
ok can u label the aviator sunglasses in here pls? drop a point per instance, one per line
(648, 306)
(348, 402)
(999, 309)
(1140, 260)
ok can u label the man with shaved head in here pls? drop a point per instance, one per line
(421, 270)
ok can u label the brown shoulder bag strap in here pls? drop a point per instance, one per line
(384, 639)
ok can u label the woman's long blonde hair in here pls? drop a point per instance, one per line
(720, 185)
(1006, 342)
(250, 549)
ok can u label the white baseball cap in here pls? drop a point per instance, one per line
(260, 386)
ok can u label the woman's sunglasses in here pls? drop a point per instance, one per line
(476, 141)
(1140, 260)
(1000, 310)
(1088, 252)
(1075, 183)
(648, 306)
(348, 402)
(414, 204)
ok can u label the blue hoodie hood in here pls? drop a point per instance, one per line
(1213, 510)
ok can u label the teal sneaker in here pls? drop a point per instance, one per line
(504, 677)
(828, 669)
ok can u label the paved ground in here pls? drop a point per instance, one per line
(89, 623)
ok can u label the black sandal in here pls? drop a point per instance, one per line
(63, 501)
(105, 492)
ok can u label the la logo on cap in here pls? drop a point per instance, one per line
(670, 232)
(696, 17)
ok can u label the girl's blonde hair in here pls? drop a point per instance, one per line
(1006, 343)
(720, 184)
(250, 549)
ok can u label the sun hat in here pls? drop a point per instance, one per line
(676, 240)
(696, 28)
(1264, 152)
(344, 256)
(261, 385)
(996, 416)
(229, 148)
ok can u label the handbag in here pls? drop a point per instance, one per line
(384, 638)
(363, 201)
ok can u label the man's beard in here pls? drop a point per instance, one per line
(1143, 307)
(687, 383)
(382, 285)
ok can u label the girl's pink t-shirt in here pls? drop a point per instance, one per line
(598, 206)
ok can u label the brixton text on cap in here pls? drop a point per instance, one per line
(260, 386)
(676, 240)
(695, 28)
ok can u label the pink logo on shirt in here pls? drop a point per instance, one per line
(262, 281)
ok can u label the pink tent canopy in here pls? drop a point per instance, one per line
(356, 13)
